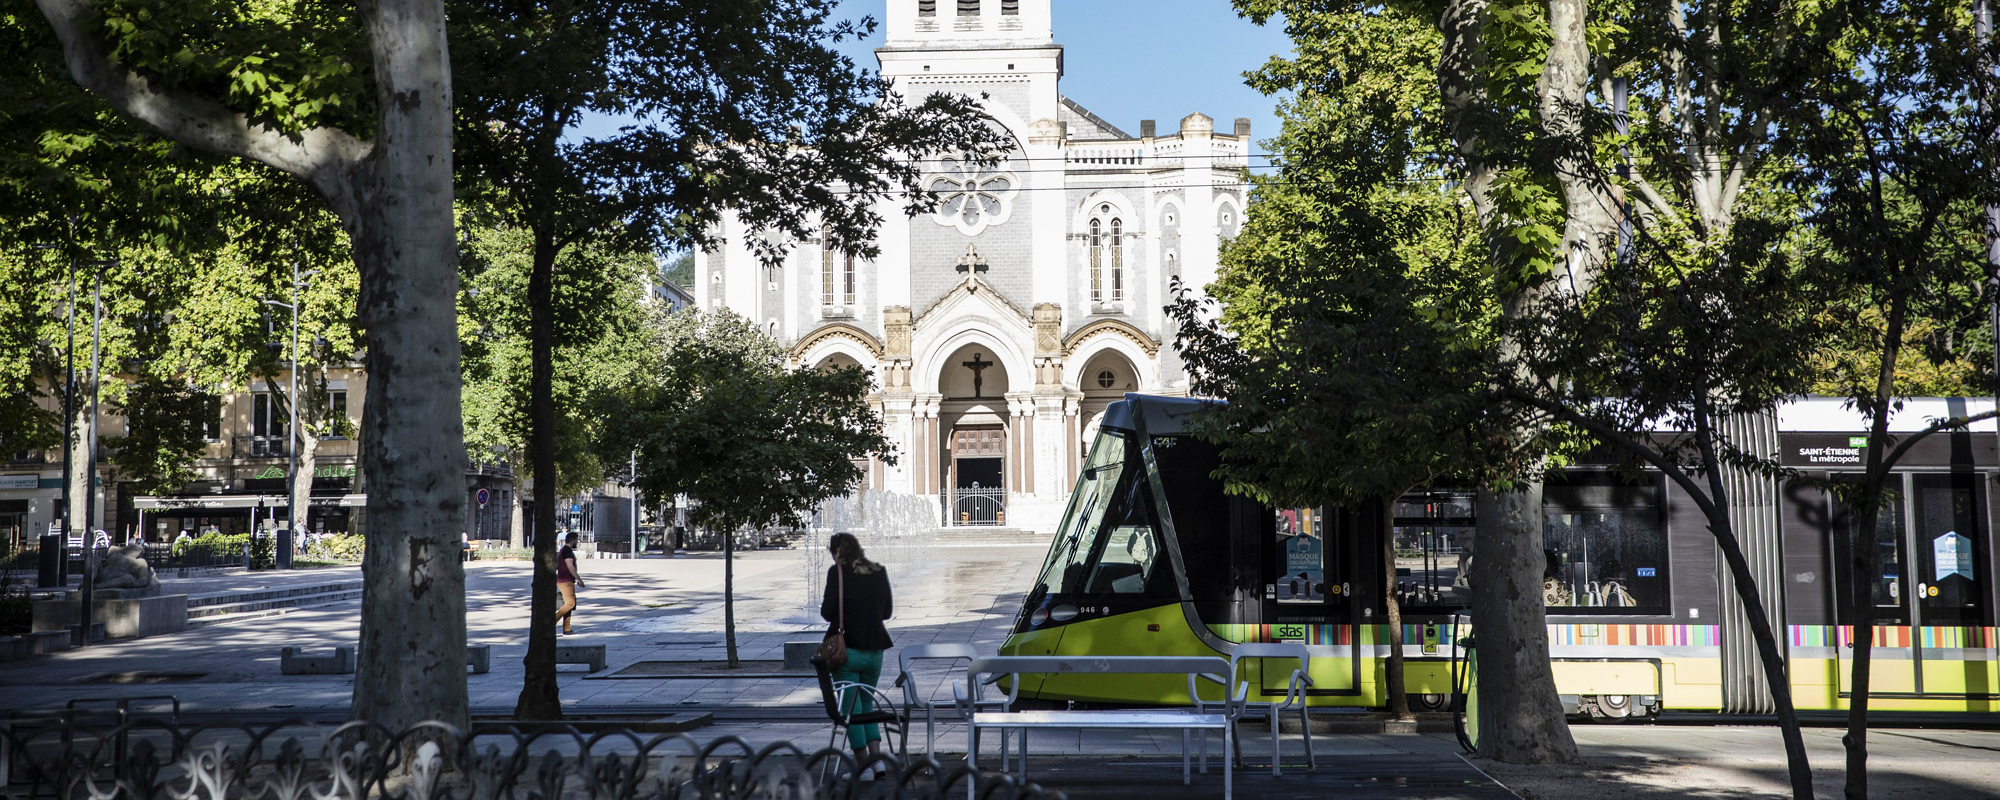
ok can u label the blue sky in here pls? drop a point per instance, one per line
(1128, 60)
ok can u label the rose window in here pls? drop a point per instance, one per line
(970, 196)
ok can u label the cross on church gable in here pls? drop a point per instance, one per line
(972, 262)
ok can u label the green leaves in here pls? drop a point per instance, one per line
(718, 417)
(1355, 335)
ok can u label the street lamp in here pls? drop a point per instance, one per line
(90, 451)
(294, 503)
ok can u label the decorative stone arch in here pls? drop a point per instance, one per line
(939, 346)
(1121, 207)
(1168, 204)
(838, 337)
(1110, 334)
(1225, 201)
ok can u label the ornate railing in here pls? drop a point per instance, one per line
(157, 760)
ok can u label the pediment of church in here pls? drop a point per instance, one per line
(972, 297)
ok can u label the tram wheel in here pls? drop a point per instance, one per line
(1430, 702)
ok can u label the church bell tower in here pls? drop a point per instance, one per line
(947, 24)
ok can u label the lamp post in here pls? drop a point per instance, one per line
(90, 445)
(295, 504)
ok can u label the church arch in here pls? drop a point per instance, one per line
(1088, 355)
(838, 337)
(937, 351)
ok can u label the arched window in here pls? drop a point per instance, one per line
(826, 256)
(1096, 260)
(1117, 259)
(1107, 256)
(847, 281)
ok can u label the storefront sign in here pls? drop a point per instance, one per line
(245, 501)
(20, 481)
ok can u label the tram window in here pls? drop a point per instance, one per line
(1200, 512)
(1433, 537)
(1950, 547)
(1430, 565)
(1127, 566)
(1096, 488)
(1887, 586)
(1605, 560)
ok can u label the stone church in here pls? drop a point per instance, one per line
(999, 327)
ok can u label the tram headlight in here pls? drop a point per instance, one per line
(1040, 616)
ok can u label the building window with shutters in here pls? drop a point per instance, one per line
(1010, 8)
(926, 8)
(968, 8)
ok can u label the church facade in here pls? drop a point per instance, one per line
(1000, 327)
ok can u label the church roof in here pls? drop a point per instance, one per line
(1085, 125)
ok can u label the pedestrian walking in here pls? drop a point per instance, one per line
(857, 601)
(567, 581)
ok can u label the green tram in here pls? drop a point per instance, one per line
(1152, 558)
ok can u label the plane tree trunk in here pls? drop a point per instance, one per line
(393, 195)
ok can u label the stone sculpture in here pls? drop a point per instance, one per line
(125, 571)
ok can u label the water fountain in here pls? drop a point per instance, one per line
(898, 531)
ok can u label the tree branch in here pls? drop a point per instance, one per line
(319, 155)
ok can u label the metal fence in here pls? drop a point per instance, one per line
(977, 507)
(159, 760)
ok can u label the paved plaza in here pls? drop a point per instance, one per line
(671, 610)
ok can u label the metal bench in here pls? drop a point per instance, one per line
(910, 657)
(1186, 720)
(1272, 657)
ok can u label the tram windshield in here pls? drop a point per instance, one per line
(1107, 542)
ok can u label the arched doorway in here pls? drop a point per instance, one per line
(976, 447)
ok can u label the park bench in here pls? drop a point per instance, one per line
(1188, 721)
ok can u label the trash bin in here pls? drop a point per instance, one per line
(285, 546)
(53, 565)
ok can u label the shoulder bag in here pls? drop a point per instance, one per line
(833, 650)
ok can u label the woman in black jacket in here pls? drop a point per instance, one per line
(857, 600)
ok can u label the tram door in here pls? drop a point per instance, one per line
(1310, 596)
(1929, 590)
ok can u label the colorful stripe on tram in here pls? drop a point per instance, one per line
(1897, 636)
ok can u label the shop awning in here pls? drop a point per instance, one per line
(243, 501)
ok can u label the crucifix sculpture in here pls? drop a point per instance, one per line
(977, 365)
